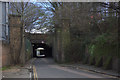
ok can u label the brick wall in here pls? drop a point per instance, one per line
(15, 37)
(6, 56)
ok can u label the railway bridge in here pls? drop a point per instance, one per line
(40, 40)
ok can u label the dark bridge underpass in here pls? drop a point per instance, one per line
(40, 41)
(47, 49)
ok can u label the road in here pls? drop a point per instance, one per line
(47, 68)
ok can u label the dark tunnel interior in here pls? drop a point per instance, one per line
(47, 49)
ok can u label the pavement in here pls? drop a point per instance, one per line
(93, 68)
(18, 72)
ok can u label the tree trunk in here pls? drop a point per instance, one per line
(22, 49)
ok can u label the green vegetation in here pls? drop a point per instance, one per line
(92, 60)
(74, 52)
(86, 59)
(99, 61)
(103, 46)
(5, 68)
(28, 48)
(107, 64)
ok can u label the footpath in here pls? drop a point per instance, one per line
(91, 68)
(18, 72)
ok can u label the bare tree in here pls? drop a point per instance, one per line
(29, 13)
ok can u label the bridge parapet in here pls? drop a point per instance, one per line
(37, 38)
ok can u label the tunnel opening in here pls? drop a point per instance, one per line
(47, 49)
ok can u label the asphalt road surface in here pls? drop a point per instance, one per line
(47, 68)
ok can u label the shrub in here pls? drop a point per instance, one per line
(28, 48)
(92, 60)
(99, 61)
(107, 63)
(74, 52)
(104, 46)
(86, 60)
